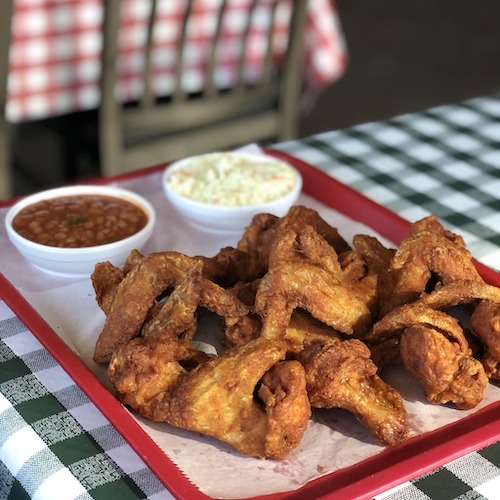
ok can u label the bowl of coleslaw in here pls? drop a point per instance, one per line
(222, 192)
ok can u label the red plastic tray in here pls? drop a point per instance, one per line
(363, 480)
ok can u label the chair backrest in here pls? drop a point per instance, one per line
(6, 188)
(160, 125)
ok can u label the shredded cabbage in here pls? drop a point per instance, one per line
(232, 180)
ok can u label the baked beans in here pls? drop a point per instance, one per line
(79, 221)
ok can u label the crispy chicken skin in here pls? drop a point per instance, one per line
(137, 293)
(461, 292)
(384, 352)
(142, 375)
(283, 392)
(434, 349)
(385, 335)
(266, 231)
(448, 374)
(134, 297)
(394, 323)
(313, 289)
(231, 266)
(378, 260)
(105, 280)
(340, 374)
(305, 272)
(485, 321)
(300, 217)
(175, 318)
(429, 251)
(147, 366)
(217, 399)
(303, 328)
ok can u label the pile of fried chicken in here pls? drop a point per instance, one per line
(307, 321)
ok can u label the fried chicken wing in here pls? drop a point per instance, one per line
(435, 350)
(304, 329)
(447, 373)
(135, 295)
(138, 291)
(217, 399)
(305, 272)
(384, 337)
(461, 292)
(340, 374)
(266, 231)
(230, 266)
(298, 217)
(485, 322)
(428, 252)
(432, 224)
(417, 313)
(143, 375)
(105, 281)
(378, 261)
(384, 352)
(258, 238)
(145, 367)
(283, 392)
(311, 288)
(176, 318)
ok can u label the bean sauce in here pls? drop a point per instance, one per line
(79, 221)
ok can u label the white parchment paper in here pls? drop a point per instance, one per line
(334, 439)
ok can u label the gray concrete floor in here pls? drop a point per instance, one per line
(404, 56)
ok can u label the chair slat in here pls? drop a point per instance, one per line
(148, 96)
(196, 112)
(179, 93)
(241, 83)
(267, 73)
(210, 86)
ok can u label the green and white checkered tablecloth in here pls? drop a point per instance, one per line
(475, 476)
(54, 443)
(444, 161)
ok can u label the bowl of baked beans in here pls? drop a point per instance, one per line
(66, 231)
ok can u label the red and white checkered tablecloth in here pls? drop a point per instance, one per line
(56, 49)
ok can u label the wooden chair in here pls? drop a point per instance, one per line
(155, 130)
(6, 188)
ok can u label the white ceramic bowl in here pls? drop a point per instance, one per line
(79, 262)
(228, 219)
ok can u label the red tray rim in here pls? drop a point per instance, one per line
(363, 480)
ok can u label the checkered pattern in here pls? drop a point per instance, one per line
(429, 162)
(56, 49)
(52, 438)
(457, 480)
(424, 163)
